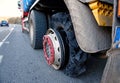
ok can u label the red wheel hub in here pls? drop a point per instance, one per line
(48, 49)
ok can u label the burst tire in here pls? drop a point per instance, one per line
(75, 65)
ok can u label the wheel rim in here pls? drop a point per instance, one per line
(31, 32)
(52, 49)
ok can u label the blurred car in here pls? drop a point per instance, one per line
(4, 23)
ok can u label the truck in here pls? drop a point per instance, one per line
(69, 31)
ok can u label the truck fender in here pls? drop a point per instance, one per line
(90, 37)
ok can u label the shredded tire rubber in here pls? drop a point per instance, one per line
(77, 58)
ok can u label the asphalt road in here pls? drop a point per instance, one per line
(19, 63)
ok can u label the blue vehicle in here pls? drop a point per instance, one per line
(4, 23)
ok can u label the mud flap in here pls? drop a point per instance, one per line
(111, 73)
(88, 34)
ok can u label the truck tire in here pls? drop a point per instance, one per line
(38, 27)
(76, 64)
(74, 59)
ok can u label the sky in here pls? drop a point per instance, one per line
(9, 8)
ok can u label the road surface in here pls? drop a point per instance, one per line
(19, 63)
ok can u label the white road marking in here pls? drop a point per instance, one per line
(6, 42)
(1, 57)
(3, 41)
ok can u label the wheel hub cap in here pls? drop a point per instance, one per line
(52, 49)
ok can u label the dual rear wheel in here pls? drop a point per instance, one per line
(60, 50)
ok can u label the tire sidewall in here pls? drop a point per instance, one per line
(33, 24)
